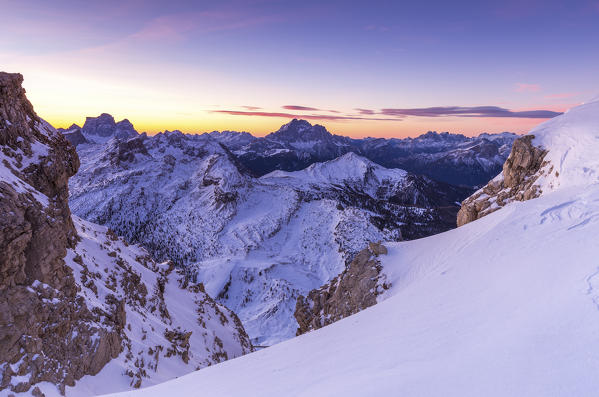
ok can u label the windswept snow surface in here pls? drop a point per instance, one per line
(507, 305)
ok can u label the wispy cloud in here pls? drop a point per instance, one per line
(394, 114)
(297, 107)
(526, 87)
(475, 111)
(299, 116)
(309, 109)
(365, 111)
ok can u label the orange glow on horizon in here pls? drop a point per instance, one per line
(64, 99)
(353, 128)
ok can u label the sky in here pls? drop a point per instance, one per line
(361, 68)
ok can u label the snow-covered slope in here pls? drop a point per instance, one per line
(504, 305)
(172, 327)
(256, 243)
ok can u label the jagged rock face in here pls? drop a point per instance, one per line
(355, 289)
(516, 183)
(46, 331)
(172, 326)
(31, 247)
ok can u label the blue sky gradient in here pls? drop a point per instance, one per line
(199, 65)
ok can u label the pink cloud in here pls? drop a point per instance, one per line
(525, 87)
(365, 111)
(298, 107)
(299, 116)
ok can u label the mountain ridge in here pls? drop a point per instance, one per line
(450, 158)
(252, 241)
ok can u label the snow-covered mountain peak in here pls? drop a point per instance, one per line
(233, 139)
(345, 169)
(572, 144)
(296, 124)
(300, 131)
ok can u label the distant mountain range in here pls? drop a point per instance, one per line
(450, 158)
(256, 243)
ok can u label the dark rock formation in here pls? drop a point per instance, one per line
(517, 182)
(47, 332)
(352, 291)
(105, 126)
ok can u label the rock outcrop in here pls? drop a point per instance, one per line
(521, 170)
(47, 332)
(355, 289)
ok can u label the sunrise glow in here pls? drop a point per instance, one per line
(232, 66)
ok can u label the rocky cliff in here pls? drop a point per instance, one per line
(47, 332)
(521, 170)
(355, 289)
(74, 297)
